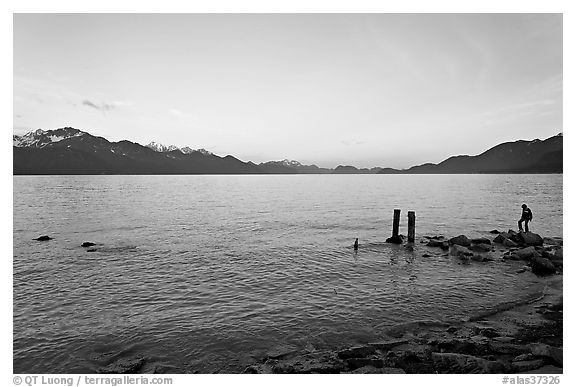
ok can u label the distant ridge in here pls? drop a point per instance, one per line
(67, 151)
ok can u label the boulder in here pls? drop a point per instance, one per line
(461, 240)
(88, 244)
(43, 238)
(394, 239)
(481, 248)
(558, 254)
(531, 239)
(494, 232)
(526, 253)
(542, 266)
(509, 243)
(481, 258)
(511, 257)
(547, 351)
(478, 241)
(527, 365)
(500, 238)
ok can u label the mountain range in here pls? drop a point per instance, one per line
(69, 151)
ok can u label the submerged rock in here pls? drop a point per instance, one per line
(461, 240)
(437, 243)
(88, 244)
(123, 367)
(460, 251)
(43, 238)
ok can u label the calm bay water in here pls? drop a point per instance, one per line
(209, 273)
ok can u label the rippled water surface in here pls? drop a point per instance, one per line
(209, 273)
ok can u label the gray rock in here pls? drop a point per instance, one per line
(461, 240)
(500, 238)
(460, 251)
(542, 266)
(43, 238)
(531, 239)
(509, 243)
(482, 248)
(545, 350)
(374, 370)
(546, 370)
(511, 257)
(507, 348)
(526, 253)
(527, 365)
(481, 241)
(250, 370)
(437, 243)
(123, 366)
(558, 254)
(88, 244)
(458, 363)
(395, 239)
(524, 357)
(359, 362)
(494, 232)
(355, 352)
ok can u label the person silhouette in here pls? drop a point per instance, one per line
(356, 244)
(526, 217)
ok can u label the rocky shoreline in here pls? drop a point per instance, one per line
(518, 337)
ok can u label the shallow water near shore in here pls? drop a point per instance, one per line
(210, 273)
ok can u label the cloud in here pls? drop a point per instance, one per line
(102, 107)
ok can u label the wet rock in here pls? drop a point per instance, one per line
(524, 357)
(43, 238)
(555, 241)
(481, 241)
(494, 232)
(527, 365)
(542, 266)
(437, 243)
(283, 369)
(426, 255)
(507, 348)
(123, 367)
(503, 339)
(558, 254)
(88, 244)
(460, 251)
(547, 351)
(531, 239)
(250, 370)
(281, 352)
(465, 364)
(355, 352)
(461, 240)
(387, 344)
(546, 370)
(509, 243)
(359, 362)
(374, 370)
(520, 271)
(394, 239)
(480, 258)
(526, 253)
(481, 248)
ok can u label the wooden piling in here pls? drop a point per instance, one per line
(396, 224)
(411, 226)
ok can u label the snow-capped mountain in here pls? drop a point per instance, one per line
(40, 138)
(186, 150)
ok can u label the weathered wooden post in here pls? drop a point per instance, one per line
(395, 238)
(396, 224)
(411, 225)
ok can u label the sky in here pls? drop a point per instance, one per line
(369, 90)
